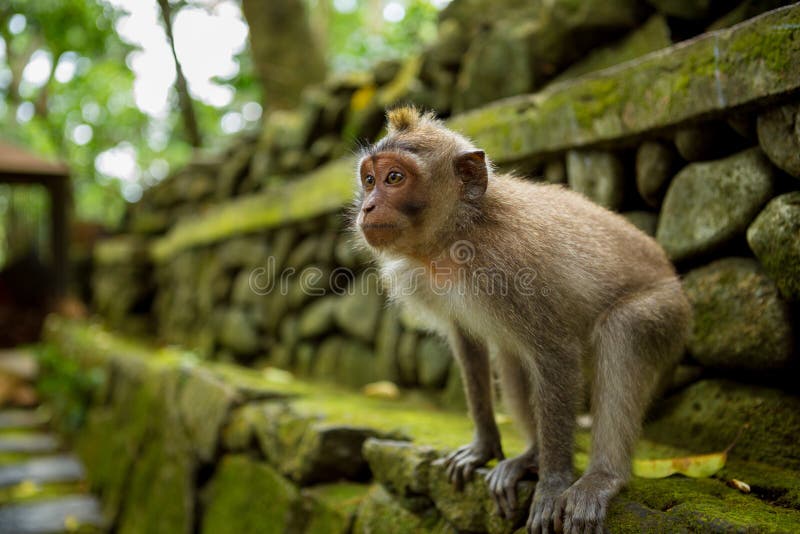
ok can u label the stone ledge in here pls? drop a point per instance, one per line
(324, 190)
(755, 60)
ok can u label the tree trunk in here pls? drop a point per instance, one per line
(285, 50)
(184, 99)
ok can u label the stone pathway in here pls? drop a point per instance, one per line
(42, 486)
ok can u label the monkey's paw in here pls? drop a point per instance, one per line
(502, 480)
(543, 507)
(584, 505)
(461, 463)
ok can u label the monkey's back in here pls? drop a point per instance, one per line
(580, 250)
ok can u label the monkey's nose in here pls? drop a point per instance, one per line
(369, 207)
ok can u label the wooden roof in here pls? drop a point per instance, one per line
(17, 164)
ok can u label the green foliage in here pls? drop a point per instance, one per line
(358, 39)
(67, 387)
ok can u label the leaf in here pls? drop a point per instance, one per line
(700, 466)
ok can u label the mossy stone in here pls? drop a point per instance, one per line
(645, 221)
(246, 495)
(655, 166)
(710, 204)
(779, 136)
(317, 318)
(205, 403)
(598, 174)
(740, 322)
(433, 361)
(358, 311)
(473, 509)
(774, 237)
(400, 466)
(380, 512)
(331, 508)
(709, 415)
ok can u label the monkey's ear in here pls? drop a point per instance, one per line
(471, 168)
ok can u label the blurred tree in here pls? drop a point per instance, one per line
(182, 88)
(286, 52)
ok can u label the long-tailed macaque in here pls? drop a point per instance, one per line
(547, 282)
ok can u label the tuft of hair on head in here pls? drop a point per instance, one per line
(406, 118)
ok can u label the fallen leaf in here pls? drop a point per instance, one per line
(700, 466)
(744, 487)
(382, 390)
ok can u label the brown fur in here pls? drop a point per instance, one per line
(600, 294)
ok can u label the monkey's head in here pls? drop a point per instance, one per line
(418, 184)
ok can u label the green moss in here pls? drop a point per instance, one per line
(380, 512)
(28, 491)
(324, 190)
(332, 507)
(249, 496)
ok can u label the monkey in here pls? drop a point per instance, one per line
(540, 283)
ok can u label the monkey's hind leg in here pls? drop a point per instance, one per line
(515, 381)
(635, 342)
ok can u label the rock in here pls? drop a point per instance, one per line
(317, 318)
(597, 174)
(685, 9)
(174, 509)
(386, 342)
(453, 394)
(303, 253)
(308, 450)
(779, 136)
(327, 362)
(709, 204)
(614, 105)
(473, 509)
(643, 220)
(380, 511)
(400, 466)
(237, 332)
(331, 508)
(356, 364)
(740, 321)
(496, 65)
(246, 495)
(655, 166)
(774, 237)
(555, 172)
(205, 403)
(433, 362)
(650, 36)
(304, 359)
(407, 358)
(710, 414)
(358, 312)
(706, 141)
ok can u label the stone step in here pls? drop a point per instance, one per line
(60, 468)
(22, 419)
(29, 443)
(65, 514)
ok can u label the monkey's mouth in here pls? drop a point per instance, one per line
(379, 234)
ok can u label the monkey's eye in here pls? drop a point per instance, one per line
(369, 181)
(394, 177)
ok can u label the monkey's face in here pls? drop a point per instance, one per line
(394, 196)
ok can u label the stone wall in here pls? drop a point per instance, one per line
(175, 444)
(696, 143)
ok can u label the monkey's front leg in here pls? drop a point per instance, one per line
(558, 379)
(473, 359)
